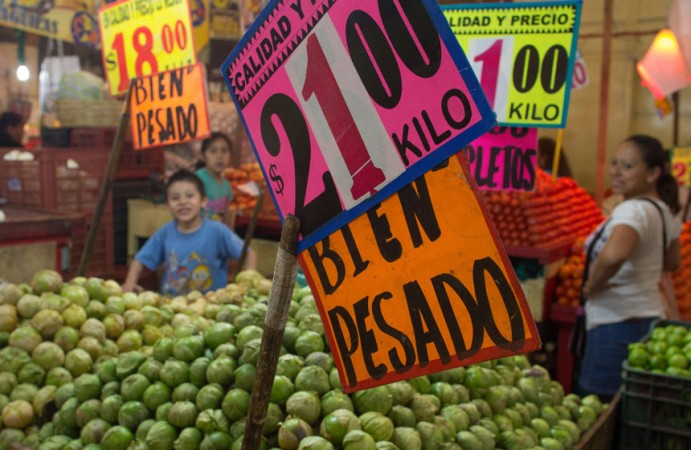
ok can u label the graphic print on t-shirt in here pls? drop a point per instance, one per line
(188, 274)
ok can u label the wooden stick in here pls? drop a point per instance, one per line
(604, 102)
(285, 273)
(251, 228)
(113, 160)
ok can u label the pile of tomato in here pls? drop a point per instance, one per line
(682, 278)
(556, 213)
(570, 276)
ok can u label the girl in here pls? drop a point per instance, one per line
(216, 158)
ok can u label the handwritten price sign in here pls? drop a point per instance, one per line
(523, 55)
(504, 159)
(345, 102)
(144, 37)
(410, 289)
(681, 165)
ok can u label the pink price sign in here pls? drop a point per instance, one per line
(504, 159)
(345, 102)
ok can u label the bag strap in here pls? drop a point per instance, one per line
(664, 228)
(588, 258)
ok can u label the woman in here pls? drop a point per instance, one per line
(622, 291)
(11, 129)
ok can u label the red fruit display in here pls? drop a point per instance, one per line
(682, 277)
(555, 214)
(570, 276)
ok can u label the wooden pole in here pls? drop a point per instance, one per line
(285, 274)
(604, 101)
(675, 130)
(251, 229)
(113, 160)
(557, 155)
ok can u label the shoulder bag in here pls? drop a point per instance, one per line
(577, 340)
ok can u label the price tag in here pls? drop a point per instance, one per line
(346, 101)
(504, 159)
(144, 37)
(170, 108)
(523, 55)
(580, 77)
(681, 165)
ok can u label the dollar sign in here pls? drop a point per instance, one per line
(276, 178)
(110, 61)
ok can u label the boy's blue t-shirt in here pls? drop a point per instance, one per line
(191, 261)
(219, 195)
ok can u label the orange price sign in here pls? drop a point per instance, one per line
(170, 108)
(144, 37)
(408, 289)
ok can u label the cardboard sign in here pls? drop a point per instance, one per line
(523, 55)
(331, 94)
(73, 22)
(225, 19)
(144, 37)
(580, 78)
(410, 288)
(170, 108)
(681, 165)
(504, 159)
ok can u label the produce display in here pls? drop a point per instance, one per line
(554, 213)
(667, 351)
(84, 366)
(682, 277)
(245, 197)
(570, 276)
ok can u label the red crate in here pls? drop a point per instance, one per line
(139, 163)
(93, 137)
(20, 183)
(66, 180)
(102, 259)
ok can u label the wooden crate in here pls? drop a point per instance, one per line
(601, 435)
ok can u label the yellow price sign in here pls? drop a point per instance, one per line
(681, 165)
(144, 37)
(523, 55)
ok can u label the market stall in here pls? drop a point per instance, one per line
(32, 239)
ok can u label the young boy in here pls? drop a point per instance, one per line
(194, 251)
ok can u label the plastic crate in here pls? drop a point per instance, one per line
(93, 137)
(655, 408)
(139, 163)
(102, 259)
(65, 180)
(20, 183)
(55, 137)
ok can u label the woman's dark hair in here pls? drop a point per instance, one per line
(654, 155)
(186, 175)
(545, 151)
(10, 119)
